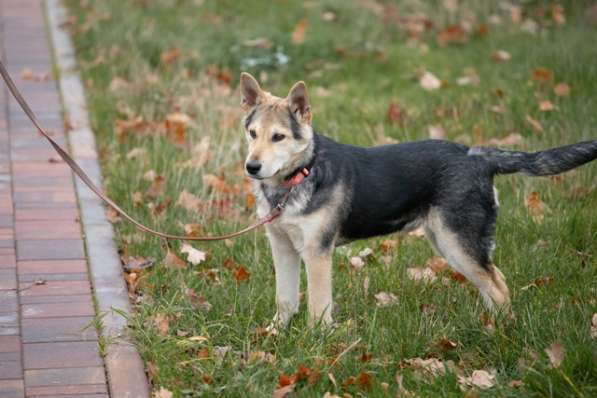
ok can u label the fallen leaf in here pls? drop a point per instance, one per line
(156, 187)
(509, 140)
(112, 215)
(218, 184)
(436, 132)
(136, 153)
(176, 124)
(535, 207)
(451, 34)
(479, 378)
(193, 230)
(366, 252)
(162, 324)
(197, 301)
(283, 391)
(298, 34)
(446, 344)
(364, 380)
(388, 245)
(437, 264)
(546, 106)
(286, 380)
(556, 353)
(535, 124)
(539, 282)
(561, 89)
(261, 356)
(169, 56)
(385, 299)
(357, 263)
(501, 56)
(162, 393)
(203, 353)
(429, 81)
(241, 274)
(395, 113)
(28, 74)
(418, 232)
(329, 16)
(430, 366)
(194, 256)
(542, 75)
(515, 384)
(594, 326)
(259, 42)
(172, 261)
(188, 201)
(421, 274)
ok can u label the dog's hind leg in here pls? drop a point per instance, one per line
(287, 266)
(461, 256)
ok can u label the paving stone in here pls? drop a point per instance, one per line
(46, 330)
(10, 344)
(55, 288)
(12, 389)
(32, 213)
(54, 355)
(8, 279)
(64, 377)
(52, 267)
(49, 310)
(8, 301)
(48, 249)
(83, 390)
(53, 229)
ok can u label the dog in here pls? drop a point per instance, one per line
(335, 193)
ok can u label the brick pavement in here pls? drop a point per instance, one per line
(46, 348)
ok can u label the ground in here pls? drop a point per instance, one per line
(161, 79)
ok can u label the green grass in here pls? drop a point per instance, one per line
(351, 90)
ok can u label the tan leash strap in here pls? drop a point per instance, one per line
(276, 211)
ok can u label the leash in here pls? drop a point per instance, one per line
(273, 214)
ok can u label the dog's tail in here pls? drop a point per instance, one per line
(542, 163)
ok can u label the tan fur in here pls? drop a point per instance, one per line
(491, 283)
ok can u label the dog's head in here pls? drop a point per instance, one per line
(278, 130)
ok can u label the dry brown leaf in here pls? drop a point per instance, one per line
(479, 378)
(28, 74)
(437, 264)
(162, 324)
(282, 392)
(430, 366)
(200, 154)
(218, 184)
(452, 34)
(156, 187)
(561, 89)
(542, 75)
(538, 282)
(418, 274)
(203, 353)
(169, 56)
(429, 81)
(137, 198)
(501, 56)
(446, 344)
(241, 274)
(546, 106)
(188, 201)
(509, 140)
(176, 125)
(537, 127)
(594, 326)
(172, 261)
(556, 353)
(261, 356)
(112, 215)
(515, 384)
(536, 207)
(357, 263)
(395, 113)
(259, 42)
(162, 393)
(388, 245)
(385, 299)
(137, 153)
(194, 256)
(363, 380)
(436, 132)
(299, 32)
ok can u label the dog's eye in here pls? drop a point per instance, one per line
(253, 134)
(277, 137)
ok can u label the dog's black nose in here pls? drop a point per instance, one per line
(253, 167)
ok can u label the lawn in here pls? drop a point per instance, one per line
(162, 88)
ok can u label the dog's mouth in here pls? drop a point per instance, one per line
(260, 178)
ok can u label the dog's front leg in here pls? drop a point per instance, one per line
(287, 266)
(318, 264)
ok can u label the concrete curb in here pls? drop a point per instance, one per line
(124, 367)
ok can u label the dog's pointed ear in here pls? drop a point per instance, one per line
(299, 102)
(250, 92)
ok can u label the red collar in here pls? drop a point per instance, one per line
(296, 179)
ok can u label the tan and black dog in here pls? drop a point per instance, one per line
(340, 193)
